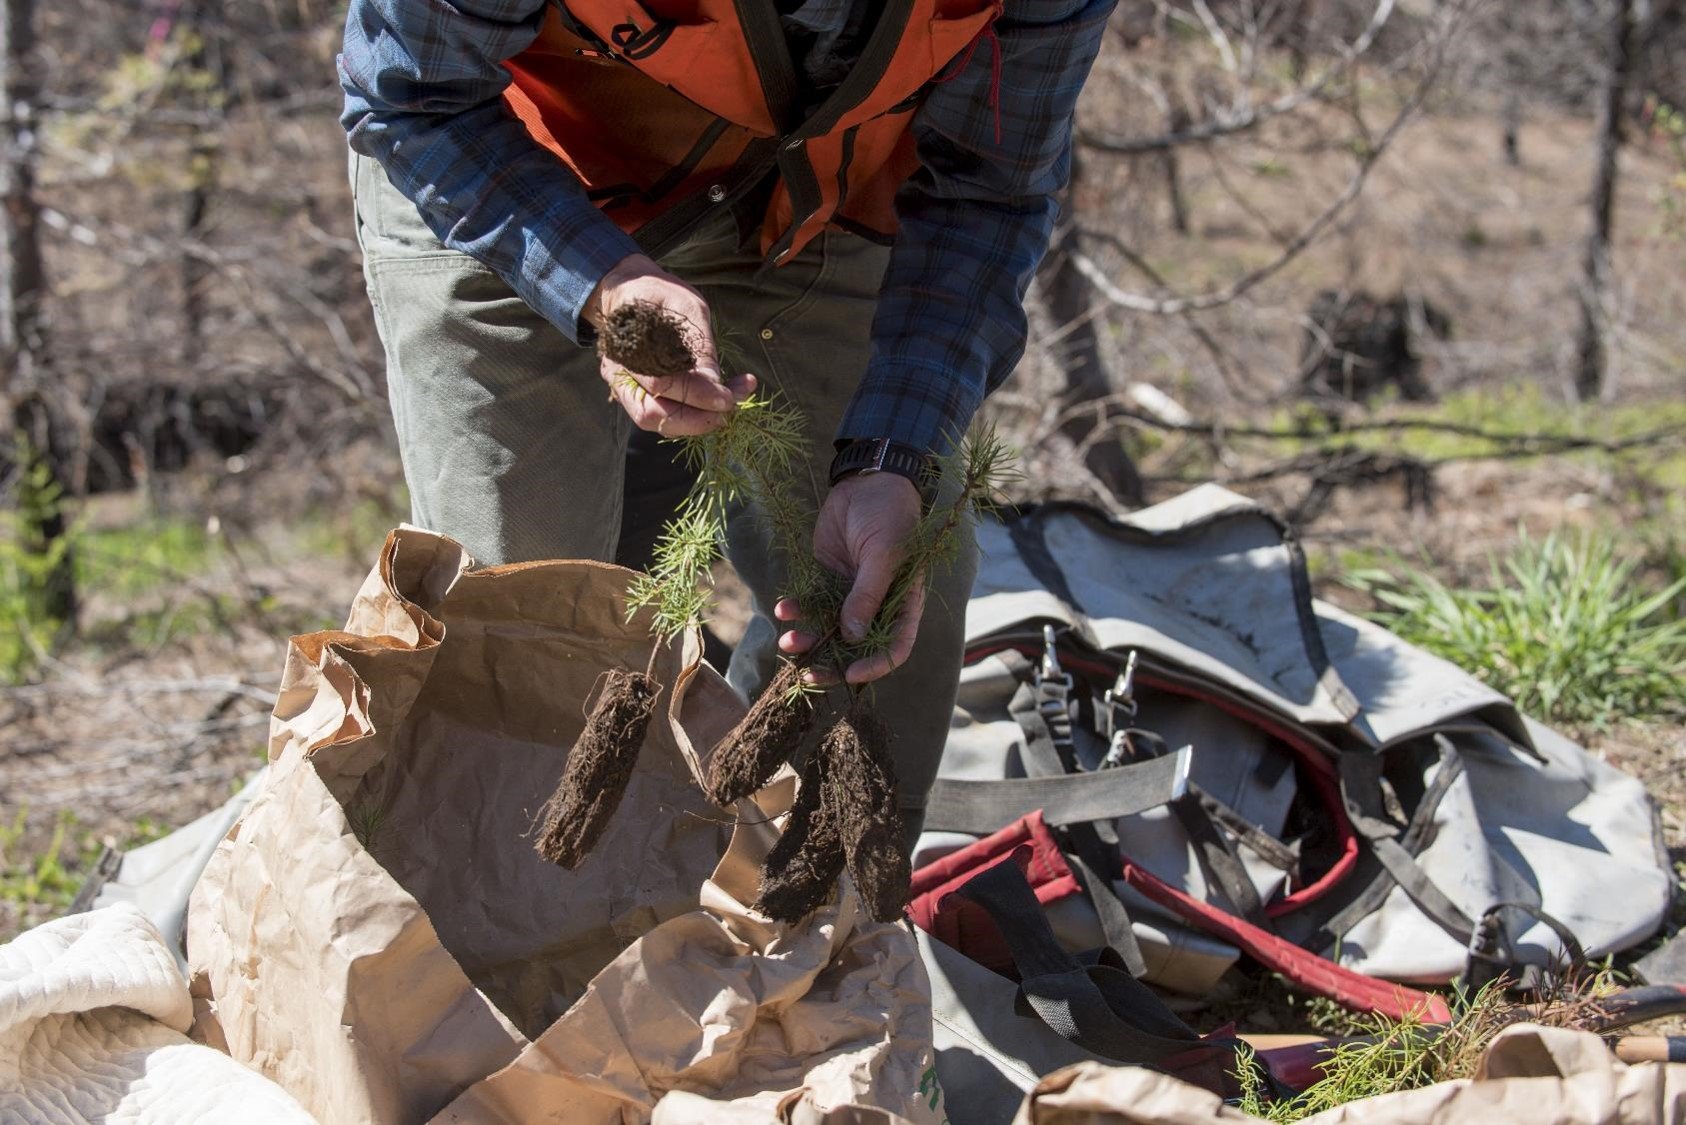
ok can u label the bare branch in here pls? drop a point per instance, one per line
(1371, 154)
(1242, 117)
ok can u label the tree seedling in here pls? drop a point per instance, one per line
(846, 814)
(641, 336)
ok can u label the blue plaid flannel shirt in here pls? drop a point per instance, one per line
(422, 80)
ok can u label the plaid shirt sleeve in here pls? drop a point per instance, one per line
(975, 222)
(422, 81)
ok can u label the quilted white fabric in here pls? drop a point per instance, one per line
(93, 1012)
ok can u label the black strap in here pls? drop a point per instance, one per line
(1045, 723)
(1361, 791)
(1086, 854)
(1027, 536)
(1247, 834)
(1325, 935)
(1218, 858)
(640, 43)
(1101, 1009)
(1493, 953)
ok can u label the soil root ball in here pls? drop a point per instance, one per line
(801, 870)
(647, 339)
(764, 739)
(861, 789)
(598, 769)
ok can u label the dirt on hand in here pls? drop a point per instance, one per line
(647, 339)
(598, 768)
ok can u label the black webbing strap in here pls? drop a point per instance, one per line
(1082, 845)
(1246, 833)
(1417, 836)
(1492, 952)
(1361, 791)
(1219, 859)
(1040, 711)
(1122, 1020)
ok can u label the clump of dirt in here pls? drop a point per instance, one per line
(845, 815)
(861, 786)
(598, 768)
(647, 339)
(799, 873)
(764, 739)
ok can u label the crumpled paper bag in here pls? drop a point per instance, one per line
(1538, 1075)
(378, 936)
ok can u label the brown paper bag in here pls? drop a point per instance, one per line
(1529, 1074)
(378, 936)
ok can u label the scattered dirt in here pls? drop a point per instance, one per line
(648, 339)
(764, 739)
(598, 768)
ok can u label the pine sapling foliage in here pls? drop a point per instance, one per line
(646, 339)
(758, 459)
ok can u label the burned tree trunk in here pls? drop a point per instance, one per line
(1176, 121)
(209, 57)
(23, 288)
(1066, 295)
(24, 280)
(1591, 347)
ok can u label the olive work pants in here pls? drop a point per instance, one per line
(511, 446)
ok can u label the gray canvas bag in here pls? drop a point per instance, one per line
(1285, 762)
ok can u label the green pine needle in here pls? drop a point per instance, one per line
(759, 458)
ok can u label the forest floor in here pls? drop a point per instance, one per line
(157, 711)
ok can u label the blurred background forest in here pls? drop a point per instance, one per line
(1408, 270)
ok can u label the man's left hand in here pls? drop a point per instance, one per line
(862, 529)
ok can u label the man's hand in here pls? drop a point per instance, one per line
(682, 405)
(862, 528)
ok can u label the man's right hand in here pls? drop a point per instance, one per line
(681, 405)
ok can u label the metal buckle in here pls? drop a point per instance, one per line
(1119, 701)
(1049, 671)
(1118, 707)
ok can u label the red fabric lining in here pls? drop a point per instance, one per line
(1299, 965)
(967, 927)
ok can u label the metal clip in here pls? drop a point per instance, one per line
(1120, 749)
(1050, 671)
(1119, 701)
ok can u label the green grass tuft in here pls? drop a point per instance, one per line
(1386, 1056)
(39, 885)
(1567, 629)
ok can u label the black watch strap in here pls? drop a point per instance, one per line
(881, 455)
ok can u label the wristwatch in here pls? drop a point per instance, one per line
(881, 455)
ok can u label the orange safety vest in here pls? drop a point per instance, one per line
(670, 109)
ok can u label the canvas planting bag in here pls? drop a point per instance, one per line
(378, 937)
(1275, 776)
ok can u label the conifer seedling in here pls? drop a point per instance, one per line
(646, 338)
(846, 814)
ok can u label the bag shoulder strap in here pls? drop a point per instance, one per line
(1102, 1009)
